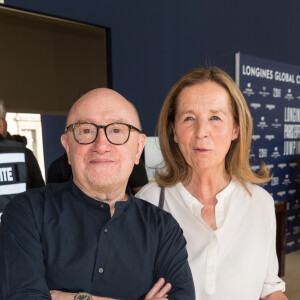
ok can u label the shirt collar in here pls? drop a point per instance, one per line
(195, 206)
(95, 203)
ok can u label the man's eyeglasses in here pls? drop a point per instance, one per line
(116, 133)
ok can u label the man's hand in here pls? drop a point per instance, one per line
(159, 291)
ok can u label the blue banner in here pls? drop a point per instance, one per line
(272, 91)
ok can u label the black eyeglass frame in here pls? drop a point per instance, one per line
(130, 127)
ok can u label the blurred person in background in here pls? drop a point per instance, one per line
(19, 170)
(34, 177)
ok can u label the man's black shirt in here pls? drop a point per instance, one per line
(59, 238)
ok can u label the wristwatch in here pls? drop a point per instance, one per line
(83, 296)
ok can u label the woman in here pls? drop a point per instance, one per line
(205, 130)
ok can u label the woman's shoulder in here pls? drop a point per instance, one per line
(260, 195)
(151, 186)
(257, 189)
(150, 192)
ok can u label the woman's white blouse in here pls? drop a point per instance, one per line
(236, 261)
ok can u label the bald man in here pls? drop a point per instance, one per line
(90, 238)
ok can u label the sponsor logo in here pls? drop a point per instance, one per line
(251, 154)
(296, 205)
(275, 124)
(255, 137)
(255, 168)
(262, 152)
(292, 192)
(264, 92)
(262, 123)
(282, 193)
(296, 230)
(269, 137)
(297, 179)
(281, 166)
(286, 180)
(275, 181)
(276, 93)
(255, 105)
(275, 153)
(248, 90)
(289, 96)
(293, 164)
(270, 106)
(290, 244)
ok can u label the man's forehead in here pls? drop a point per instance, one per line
(102, 106)
(95, 112)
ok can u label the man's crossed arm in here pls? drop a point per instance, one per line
(158, 292)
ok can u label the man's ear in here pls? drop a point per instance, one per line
(64, 142)
(141, 145)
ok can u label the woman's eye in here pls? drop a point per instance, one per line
(188, 119)
(215, 118)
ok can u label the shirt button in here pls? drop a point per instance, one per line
(100, 270)
(101, 205)
(105, 230)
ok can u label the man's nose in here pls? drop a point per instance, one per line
(101, 143)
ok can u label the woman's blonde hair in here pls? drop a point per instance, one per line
(237, 159)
